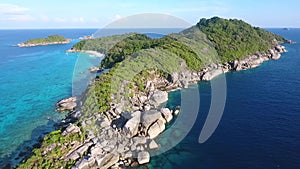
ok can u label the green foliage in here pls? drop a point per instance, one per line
(137, 42)
(235, 39)
(98, 95)
(126, 48)
(197, 41)
(101, 45)
(49, 39)
(52, 159)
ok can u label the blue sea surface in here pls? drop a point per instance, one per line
(33, 79)
(260, 127)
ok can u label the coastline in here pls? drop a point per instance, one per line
(90, 52)
(93, 144)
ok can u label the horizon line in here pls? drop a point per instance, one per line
(123, 28)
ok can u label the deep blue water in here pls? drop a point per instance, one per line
(260, 127)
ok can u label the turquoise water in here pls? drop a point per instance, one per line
(31, 81)
(261, 122)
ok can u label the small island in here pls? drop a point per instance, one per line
(50, 40)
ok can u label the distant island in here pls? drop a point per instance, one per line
(122, 104)
(50, 40)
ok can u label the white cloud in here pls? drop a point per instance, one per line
(10, 12)
(12, 9)
(21, 18)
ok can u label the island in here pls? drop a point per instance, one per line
(50, 40)
(121, 114)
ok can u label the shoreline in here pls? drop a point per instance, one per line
(159, 117)
(90, 52)
(206, 74)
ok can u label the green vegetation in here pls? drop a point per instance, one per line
(198, 42)
(125, 48)
(100, 44)
(42, 158)
(49, 39)
(193, 52)
(235, 39)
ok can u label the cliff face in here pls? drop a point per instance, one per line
(122, 110)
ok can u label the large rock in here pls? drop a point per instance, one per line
(71, 129)
(68, 104)
(131, 126)
(94, 69)
(96, 151)
(256, 62)
(167, 114)
(139, 140)
(174, 77)
(75, 154)
(107, 161)
(85, 163)
(153, 145)
(149, 117)
(158, 97)
(156, 128)
(276, 56)
(143, 157)
(212, 73)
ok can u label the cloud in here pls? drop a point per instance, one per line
(10, 12)
(22, 18)
(78, 20)
(12, 9)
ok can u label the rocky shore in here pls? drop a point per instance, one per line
(21, 45)
(119, 138)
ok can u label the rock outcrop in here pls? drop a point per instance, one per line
(143, 157)
(156, 128)
(67, 104)
(131, 126)
(71, 129)
(158, 97)
(212, 73)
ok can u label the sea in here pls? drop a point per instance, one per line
(259, 127)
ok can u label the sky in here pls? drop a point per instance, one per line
(22, 14)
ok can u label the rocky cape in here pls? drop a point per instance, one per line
(122, 139)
